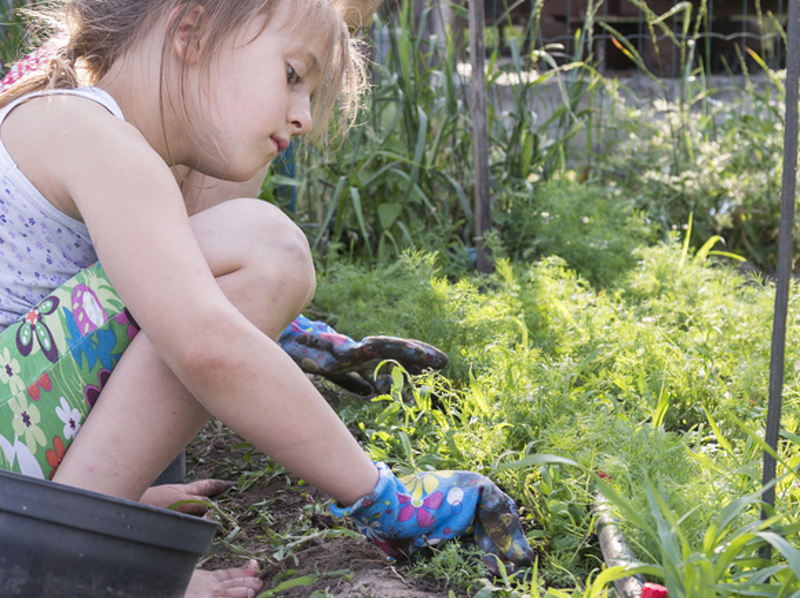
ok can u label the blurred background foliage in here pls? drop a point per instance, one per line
(566, 131)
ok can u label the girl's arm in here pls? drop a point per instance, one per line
(133, 208)
(201, 192)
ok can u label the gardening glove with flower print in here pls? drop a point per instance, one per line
(319, 349)
(423, 509)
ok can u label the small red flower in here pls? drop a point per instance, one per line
(654, 590)
(43, 382)
(54, 457)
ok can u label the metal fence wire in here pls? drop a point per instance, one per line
(725, 33)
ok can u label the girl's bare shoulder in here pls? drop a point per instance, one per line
(66, 144)
(59, 118)
(59, 122)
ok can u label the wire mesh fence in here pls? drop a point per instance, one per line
(726, 32)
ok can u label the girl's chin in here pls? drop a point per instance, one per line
(234, 175)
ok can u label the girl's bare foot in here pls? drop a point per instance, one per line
(225, 583)
(196, 493)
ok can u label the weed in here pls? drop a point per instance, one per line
(646, 379)
(452, 564)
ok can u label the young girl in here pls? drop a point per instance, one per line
(218, 86)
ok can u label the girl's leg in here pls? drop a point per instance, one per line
(145, 416)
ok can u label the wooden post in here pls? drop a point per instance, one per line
(478, 106)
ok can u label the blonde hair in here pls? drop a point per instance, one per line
(88, 36)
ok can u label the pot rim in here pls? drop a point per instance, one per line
(107, 515)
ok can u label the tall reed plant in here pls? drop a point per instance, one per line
(401, 173)
(403, 178)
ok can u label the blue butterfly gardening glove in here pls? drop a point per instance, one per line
(319, 349)
(423, 509)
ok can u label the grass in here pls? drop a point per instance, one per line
(647, 381)
(650, 390)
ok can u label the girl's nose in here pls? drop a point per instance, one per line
(300, 116)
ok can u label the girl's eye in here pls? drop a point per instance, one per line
(292, 76)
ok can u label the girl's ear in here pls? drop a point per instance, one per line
(189, 32)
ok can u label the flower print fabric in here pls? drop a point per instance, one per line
(36, 60)
(54, 362)
(57, 348)
(25, 422)
(423, 500)
(71, 418)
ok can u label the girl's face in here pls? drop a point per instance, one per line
(256, 97)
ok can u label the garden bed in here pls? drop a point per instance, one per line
(283, 524)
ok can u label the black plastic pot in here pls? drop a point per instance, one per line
(57, 541)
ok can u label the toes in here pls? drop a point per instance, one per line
(243, 587)
(248, 570)
(226, 583)
(211, 487)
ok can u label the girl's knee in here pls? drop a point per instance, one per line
(276, 243)
(263, 256)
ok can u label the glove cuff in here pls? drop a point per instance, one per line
(365, 506)
(371, 512)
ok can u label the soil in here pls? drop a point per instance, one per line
(326, 558)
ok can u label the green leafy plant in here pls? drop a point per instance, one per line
(13, 31)
(690, 153)
(403, 177)
(594, 229)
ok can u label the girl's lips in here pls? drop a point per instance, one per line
(280, 143)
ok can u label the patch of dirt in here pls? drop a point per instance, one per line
(313, 550)
(366, 573)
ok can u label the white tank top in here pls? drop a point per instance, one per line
(40, 246)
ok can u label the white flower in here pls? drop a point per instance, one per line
(71, 418)
(9, 372)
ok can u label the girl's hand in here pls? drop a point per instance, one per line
(319, 349)
(425, 508)
(197, 492)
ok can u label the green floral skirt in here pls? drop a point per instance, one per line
(53, 365)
